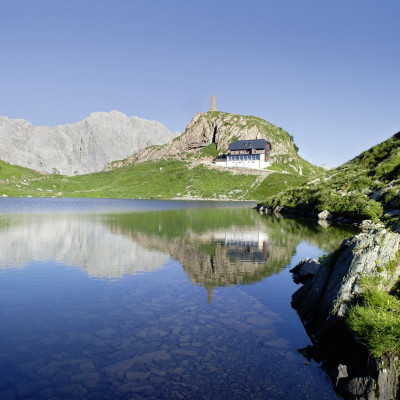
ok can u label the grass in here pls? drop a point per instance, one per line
(209, 151)
(376, 322)
(162, 179)
(9, 171)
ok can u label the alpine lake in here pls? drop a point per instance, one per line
(141, 299)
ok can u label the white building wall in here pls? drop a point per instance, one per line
(255, 164)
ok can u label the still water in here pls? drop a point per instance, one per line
(128, 299)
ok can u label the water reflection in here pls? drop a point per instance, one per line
(76, 241)
(151, 336)
(225, 247)
(216, 247)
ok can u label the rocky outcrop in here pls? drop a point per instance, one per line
(335, 287)
(80, 148)
(323, 302)
(220, 129)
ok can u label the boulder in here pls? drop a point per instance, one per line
(366, 225)
(324, 215)
(305, 270)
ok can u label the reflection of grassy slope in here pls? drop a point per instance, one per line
(187, 236)
(296, 230)
(5, 221)
(175, 223)
(162, 179)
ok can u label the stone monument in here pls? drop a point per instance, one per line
(213, 107)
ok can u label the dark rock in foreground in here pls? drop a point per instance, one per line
(323, 302)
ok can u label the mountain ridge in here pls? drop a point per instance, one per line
(83, 147)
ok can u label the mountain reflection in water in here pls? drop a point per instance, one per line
(74, 240)
(138, 335)
(216, 247)
(224, 247)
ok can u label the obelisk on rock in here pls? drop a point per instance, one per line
(213, 107)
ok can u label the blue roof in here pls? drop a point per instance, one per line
(248, 144)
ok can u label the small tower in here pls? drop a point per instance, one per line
(213, 107)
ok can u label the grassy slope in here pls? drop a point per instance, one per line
(161, 179)
(347, 190)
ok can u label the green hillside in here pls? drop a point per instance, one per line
(366, 187)
(162, 179)
(180, 169)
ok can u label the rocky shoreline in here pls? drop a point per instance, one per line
(328, 290)
(324, 217)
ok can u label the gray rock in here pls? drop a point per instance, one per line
(366, 225)
(393, 213)
(119, 368)
(305, 270)
(277, 209)
(324, 215)
(84, 147)
(375, 196)
(338, 373)
(334, 288)
(360, 385)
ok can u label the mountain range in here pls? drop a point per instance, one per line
(80, 148)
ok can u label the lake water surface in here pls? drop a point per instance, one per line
(131, 299)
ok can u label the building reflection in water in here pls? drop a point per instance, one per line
(216, 248)
(245, 245)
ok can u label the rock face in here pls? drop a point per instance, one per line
(334, 289)
(220, 128)
(323, 302)
(80, 148)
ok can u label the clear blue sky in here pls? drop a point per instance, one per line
(328, 72)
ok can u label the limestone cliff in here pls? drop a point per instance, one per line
(80, 148)
(218, 129)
